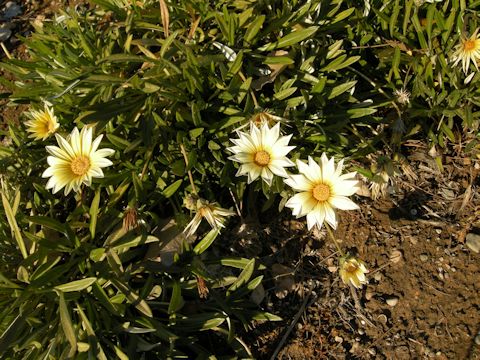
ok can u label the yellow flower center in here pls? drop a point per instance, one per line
(469, 45)
(80, 165)
(261, 158)
(321, 192)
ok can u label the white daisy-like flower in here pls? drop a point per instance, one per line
(42, 123)
(262, 153)
(322, 188)
(76, 161)
(214, 214)
(468, 50)
(353, 270)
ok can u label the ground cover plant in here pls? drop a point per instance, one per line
(154, 126)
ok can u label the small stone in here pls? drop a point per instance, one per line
(11, 10)
(5, 34)
(477, 339)
(396, 256)
(377, 276)
(438, 231)
(382, 318)
(332, 269)
(423, 257)
(392, 301)
(338, 339)
(372, 351)
(361, 331)
(473, 242)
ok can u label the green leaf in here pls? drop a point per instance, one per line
(176, 301)
(253, 29)
(290, 39)
(66, 322)
(94, 213)
(14, 226)
(76, 285)
(340, 89)
(205, 243)
(172, 188)
(244, 276)
(48, 222)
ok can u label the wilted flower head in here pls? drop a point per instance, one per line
(264, 117)
(322, 188)
(353, 270)
(468, 50)
(262, 152)
(76, 161)
(42, 123)
(214, 214)
(383, 170)
(130, 219)
(403, 96)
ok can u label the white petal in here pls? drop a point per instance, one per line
(343, 203)
(267, 175)
(330, 217)
(345, 187)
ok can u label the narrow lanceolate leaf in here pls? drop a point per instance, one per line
(66, 321)
(94, 213)
(13, 225)
(290, 39)
(205, 243)
(133, 297)
(76, 285)
(88, 327)
(244, 276)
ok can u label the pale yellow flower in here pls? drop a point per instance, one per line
(261, 153)
(468, 50)
(42, 123)
(353, 271)
(322, 188)
(76, 161)
(214, 214)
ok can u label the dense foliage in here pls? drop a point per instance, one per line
(168, 83)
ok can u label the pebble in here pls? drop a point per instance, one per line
(5, 34)
(473, 242)
(423, 257)
(477, 339)
(396, 256)
(338, 339)
(377, 276)
(392, 301)
(11, 9)
(382, 318)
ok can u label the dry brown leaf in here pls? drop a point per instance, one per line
(165, 17)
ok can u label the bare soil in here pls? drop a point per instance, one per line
(413, 244)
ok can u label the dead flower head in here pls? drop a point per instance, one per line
(130, 219)
(353, 270)
(214, 214)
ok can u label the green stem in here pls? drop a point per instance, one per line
(330, 232)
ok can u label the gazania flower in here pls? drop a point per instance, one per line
(43, 123)
(214, 214)
(353, 271)
(76, 161)
(322, 188)
(262, 153)
(467, 50)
